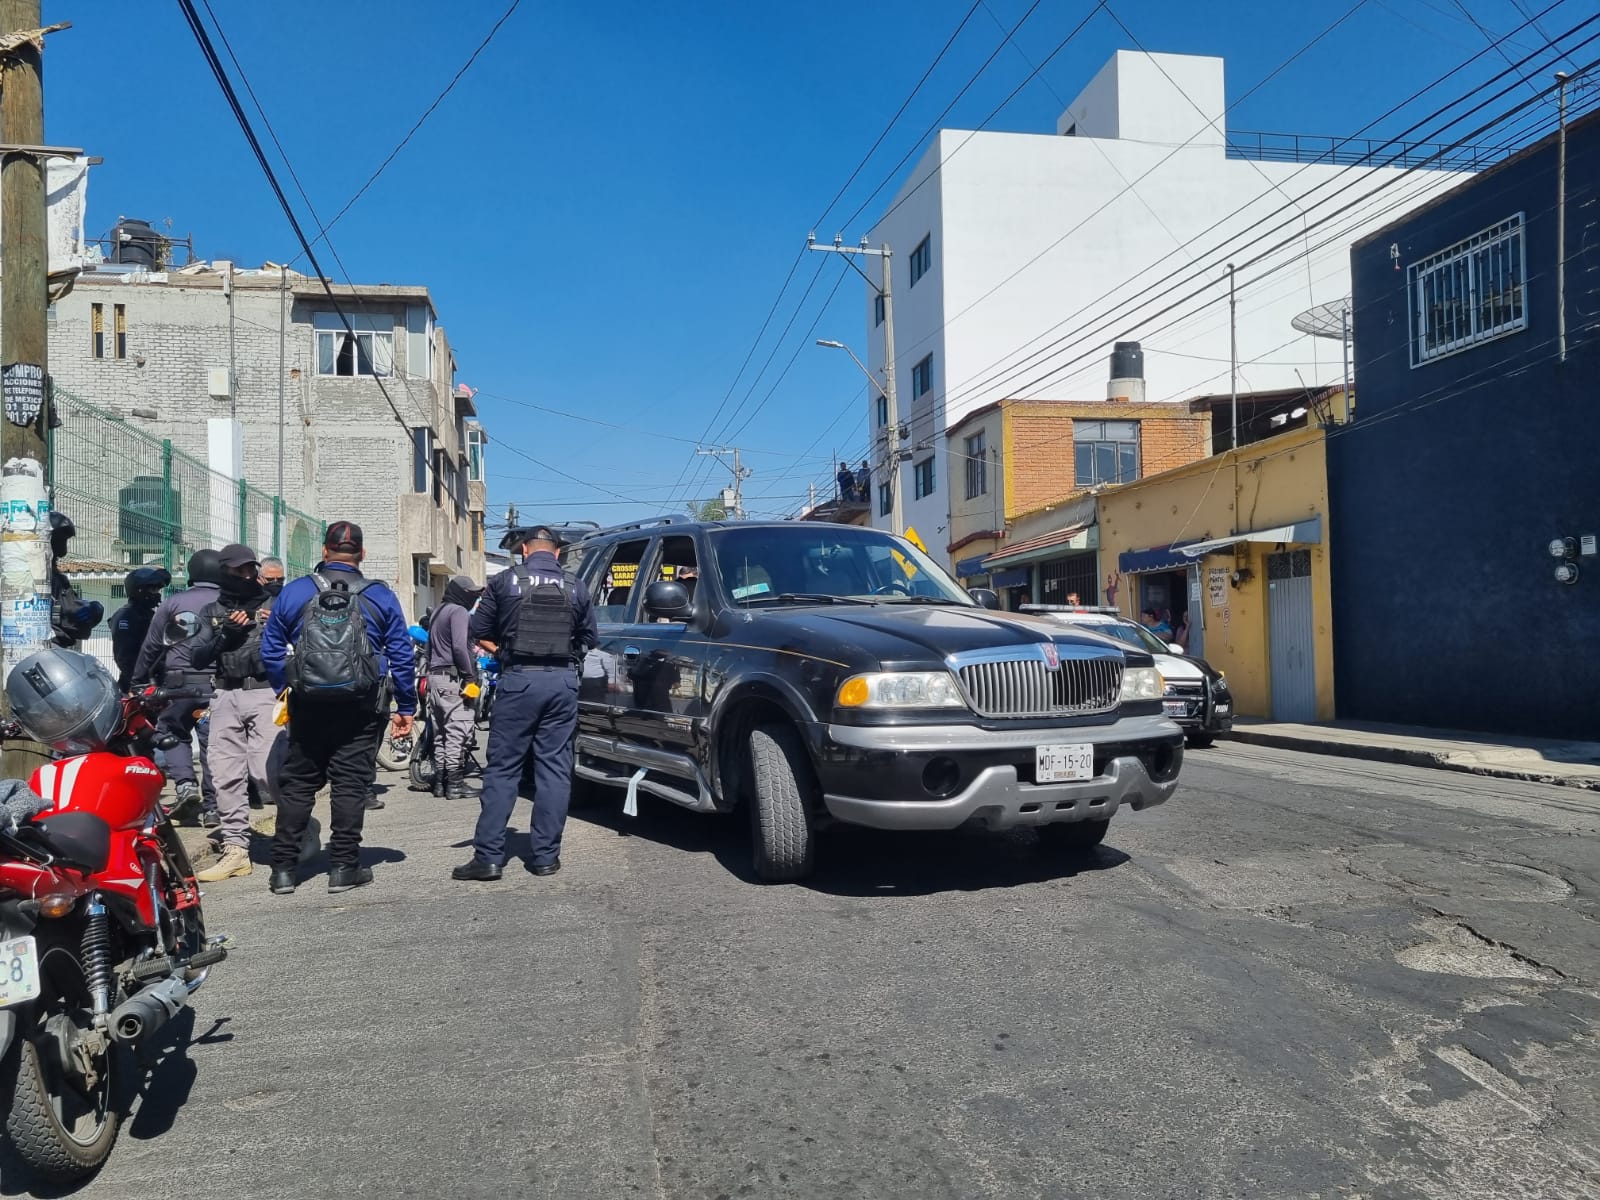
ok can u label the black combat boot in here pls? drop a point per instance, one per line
(441, 777)
(456, 785)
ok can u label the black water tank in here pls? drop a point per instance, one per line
(1127, 361)
(135, 243)
(147, 509)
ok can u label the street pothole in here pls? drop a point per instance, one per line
(1456, 949)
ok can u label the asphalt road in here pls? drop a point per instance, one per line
(1304, 977)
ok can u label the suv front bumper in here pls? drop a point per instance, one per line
(881, 775)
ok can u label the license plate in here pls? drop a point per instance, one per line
(1175, 708)
(1224, 709)
(19, 972)
(1060, 764)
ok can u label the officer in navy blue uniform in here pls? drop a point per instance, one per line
(541, 623)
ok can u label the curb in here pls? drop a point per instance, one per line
(1438, 760)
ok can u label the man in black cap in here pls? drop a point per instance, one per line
(143, 587)
(541, 623)
(452, 665)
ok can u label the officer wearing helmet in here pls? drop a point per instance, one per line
(143, 587)
(541, 622)
(175, 667)
(72, 618)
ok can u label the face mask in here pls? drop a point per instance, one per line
(272, 586)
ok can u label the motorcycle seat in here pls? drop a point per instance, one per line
(79, 838)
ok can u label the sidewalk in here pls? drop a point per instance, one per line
(1536, 760)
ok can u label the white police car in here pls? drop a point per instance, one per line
(1196, 695)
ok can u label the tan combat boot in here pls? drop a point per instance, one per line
(235, 860)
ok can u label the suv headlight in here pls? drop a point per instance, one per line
(901, 689)
(1142, 683)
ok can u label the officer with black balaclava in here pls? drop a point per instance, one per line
(143, 587)
(174, 665)
(72, 618)
(452, 666)
(541, 622)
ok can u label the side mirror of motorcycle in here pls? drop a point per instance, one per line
(180, 628)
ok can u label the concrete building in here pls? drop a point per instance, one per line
(1020, 258)
(1465, 497)
(172, 352)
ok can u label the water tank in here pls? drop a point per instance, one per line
(1127, 361)
(147, 510)
(136, 243)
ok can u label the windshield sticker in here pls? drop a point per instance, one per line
(754, 589)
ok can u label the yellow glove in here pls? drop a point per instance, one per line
(280, 710)
(471, 691)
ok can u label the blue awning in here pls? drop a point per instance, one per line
(970, 566)
(1156, 558)
(1017, 577)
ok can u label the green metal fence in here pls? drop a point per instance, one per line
(138, 501)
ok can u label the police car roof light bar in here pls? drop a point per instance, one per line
(1108, 610)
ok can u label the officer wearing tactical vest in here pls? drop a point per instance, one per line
(350, 641)
(541, 623)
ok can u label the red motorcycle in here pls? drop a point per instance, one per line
(102, 941)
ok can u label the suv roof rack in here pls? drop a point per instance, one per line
(1104, 609)
(670, 519)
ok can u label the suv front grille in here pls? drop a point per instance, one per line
(1027, 687)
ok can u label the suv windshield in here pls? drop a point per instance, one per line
(809, 562)
(1127, 631)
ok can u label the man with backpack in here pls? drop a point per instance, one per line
(350, 647)
(541, 622)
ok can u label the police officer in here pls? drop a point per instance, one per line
(72, 618)
(143, 587)
(335, 742)
(241, 728)
(452, 665)
(175, 666)
(541, 622)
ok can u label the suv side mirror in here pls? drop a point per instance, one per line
(986, 597)
(1175, 648)
(668, 600)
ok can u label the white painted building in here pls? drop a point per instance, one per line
(1020, 258)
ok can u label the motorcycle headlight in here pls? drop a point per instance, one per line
(901, 689)
(1142, 683)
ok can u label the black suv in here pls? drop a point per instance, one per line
(817, 672)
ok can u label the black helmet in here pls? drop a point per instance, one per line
(62, 531)
(205, 566)
(146, 582)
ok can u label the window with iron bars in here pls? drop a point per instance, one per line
(1472, 293)
(977, 466)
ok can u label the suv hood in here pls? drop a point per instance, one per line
(921, 636)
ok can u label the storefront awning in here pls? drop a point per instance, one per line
(968, 567)
(1047, 545)
(1307, 532)
(1156, 558)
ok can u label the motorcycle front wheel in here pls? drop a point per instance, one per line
(62, 1117)
(395, 752)
(422, 760)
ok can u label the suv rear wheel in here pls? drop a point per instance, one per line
(780, 810)
(1073, 837)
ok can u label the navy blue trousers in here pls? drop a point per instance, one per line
(535, 713)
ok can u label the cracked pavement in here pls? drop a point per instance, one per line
(1303, 977)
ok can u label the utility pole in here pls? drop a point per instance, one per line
(25, 561)
(740, 474)
(1233, 387)
(283, 334)
(891, 457)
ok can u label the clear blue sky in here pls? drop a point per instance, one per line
(606, 205)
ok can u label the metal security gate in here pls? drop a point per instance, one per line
(1291, 642)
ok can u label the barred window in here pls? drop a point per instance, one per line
(1472, 293)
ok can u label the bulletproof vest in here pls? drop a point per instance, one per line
(544, 620)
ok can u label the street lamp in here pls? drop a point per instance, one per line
(891, 464)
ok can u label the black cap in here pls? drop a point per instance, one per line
(344, 537)
(520, 535)
(237, 555)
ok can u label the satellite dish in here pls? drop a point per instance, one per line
(1330, 320)
(1327, 320)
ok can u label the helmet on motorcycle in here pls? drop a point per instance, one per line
(205, 566)
(64, 699)
(62, 531)
(144, 584)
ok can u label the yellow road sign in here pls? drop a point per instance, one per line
(911, 536)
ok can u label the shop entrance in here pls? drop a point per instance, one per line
(1074, 575)
(1166, 593)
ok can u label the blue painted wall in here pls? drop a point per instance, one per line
(1447, 488)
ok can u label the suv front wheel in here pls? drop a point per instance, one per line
(1075, 837)
(785, 794)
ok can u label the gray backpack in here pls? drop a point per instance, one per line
(333, 657)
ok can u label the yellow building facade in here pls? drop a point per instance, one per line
(1237, 543)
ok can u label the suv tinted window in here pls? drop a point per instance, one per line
(612, 583)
